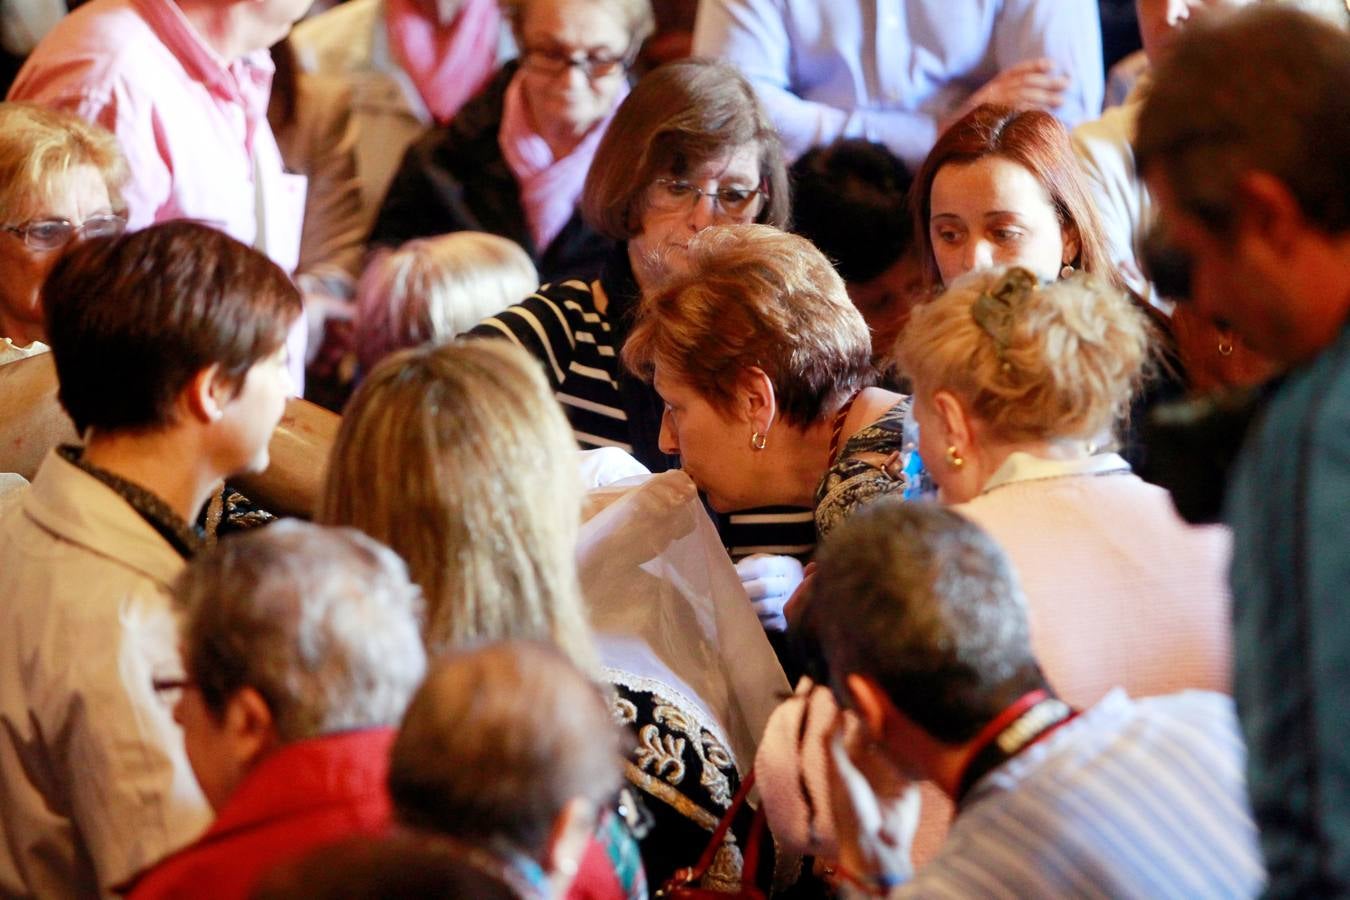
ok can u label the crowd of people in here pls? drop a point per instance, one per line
(478, 448)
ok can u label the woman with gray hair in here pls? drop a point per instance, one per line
(302, 647)
(513, 160)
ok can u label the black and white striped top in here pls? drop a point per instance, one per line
(607, 406)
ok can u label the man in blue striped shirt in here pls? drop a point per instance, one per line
(918, 625)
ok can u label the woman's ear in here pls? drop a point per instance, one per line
(1073, 244)
(757, 399)
(957, 429)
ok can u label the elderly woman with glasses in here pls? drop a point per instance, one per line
(59, 181)
(690, 147)
(513, 160)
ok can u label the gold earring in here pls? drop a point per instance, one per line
(954, 459)
(758, 441)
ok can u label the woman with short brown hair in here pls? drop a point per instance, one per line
(764, 366)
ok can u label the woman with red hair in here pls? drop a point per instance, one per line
(1000, 188)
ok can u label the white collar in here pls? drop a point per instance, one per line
(1022, 466)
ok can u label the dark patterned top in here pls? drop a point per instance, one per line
(686, 778)
(875, 462)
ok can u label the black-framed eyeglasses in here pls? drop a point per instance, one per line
(53, 234)
(555, 61)
(677, 195)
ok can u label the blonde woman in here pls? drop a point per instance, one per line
(432, 289)
(1012, 381)
(459, 459)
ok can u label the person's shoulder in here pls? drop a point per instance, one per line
(94, 48)
(339, 39)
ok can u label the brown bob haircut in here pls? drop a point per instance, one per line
(679, 116)
(1038, 142)
(752, 295)
(132, 319)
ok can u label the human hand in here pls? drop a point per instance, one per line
(770, 581)
(876, 808)
(1031, 84)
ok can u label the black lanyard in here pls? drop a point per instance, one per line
(1030, 718)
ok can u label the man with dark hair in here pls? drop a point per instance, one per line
(1245, 143)
(170, 350)
(851, 199)
(920, 630)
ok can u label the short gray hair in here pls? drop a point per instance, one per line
(322, 622)
(924, 603)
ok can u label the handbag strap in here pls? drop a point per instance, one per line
(751, 857)
(710, 852)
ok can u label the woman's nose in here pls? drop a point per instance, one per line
(979, 255)
(667, 441)
(704, 213)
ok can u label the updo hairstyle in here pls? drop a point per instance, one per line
(1075, 352)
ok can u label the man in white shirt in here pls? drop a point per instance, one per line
(897, 71)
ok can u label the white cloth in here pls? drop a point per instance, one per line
(11, 486)
(9, 351)
(1123, 201)
(94, 780)
(607, 465)
(667, 605)
(889, 70)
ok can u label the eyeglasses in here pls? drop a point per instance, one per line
(677, 195)
(53, 234)
(555, 62)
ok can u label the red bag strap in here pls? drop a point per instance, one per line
(710, 852)
(693, 874)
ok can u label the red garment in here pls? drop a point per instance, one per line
(305, 794)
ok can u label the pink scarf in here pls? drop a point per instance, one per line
(549, 188)
(448, 64)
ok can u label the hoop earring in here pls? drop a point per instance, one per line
(954, 459)
(758, 441)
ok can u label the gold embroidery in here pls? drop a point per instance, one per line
(661, 752)
(625, 711)
(716, 763)
(675, 718)
(727, 868)
(662, 791)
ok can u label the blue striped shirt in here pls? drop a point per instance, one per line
(1131, 799)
